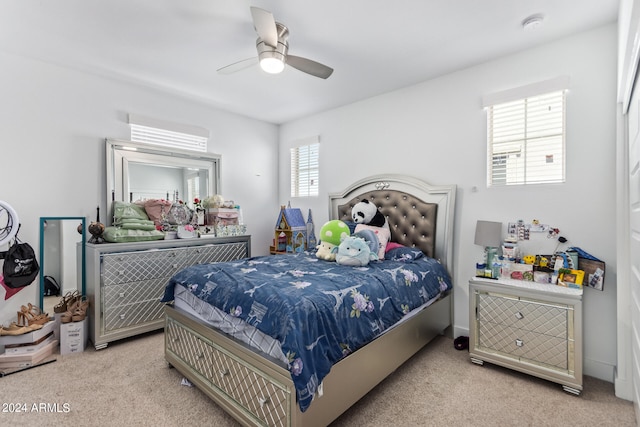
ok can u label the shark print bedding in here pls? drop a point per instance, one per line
(319, 311)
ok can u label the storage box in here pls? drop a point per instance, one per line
(13, 361)
(16, 349)
(28, 338)
(73, 337)
(222, 216)
(231, 230)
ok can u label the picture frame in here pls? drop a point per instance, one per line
(570, 278)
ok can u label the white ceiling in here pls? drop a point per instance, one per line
(374, 46)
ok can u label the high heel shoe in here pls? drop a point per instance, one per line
(76, 312)
(80, 311)
(68, 299)
(31, 315)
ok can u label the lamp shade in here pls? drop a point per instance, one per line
(488, 234)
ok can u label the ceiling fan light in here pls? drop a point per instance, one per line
(272, 65)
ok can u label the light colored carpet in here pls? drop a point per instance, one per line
(129, 383)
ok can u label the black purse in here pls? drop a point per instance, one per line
(20, 264)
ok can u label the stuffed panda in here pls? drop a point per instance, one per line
(367, 216)
(365, 212)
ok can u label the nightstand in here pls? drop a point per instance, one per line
(529, 327)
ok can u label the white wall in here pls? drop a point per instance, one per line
(53, 122)
(436, 131)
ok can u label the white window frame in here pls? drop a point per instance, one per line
(526, 134)
(305, 167)
(167, 134)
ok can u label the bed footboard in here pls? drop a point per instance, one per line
(257, 390)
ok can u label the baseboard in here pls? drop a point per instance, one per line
(458, 331)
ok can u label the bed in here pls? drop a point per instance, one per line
(262, 387)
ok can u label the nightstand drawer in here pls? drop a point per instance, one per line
(530, 315)
(533, 346)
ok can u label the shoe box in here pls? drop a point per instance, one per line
(29, 337)
(73, 336)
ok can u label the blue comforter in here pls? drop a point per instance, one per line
(318, 310)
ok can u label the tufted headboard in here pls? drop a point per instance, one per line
(419, 215)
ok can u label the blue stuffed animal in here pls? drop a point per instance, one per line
(354, 251)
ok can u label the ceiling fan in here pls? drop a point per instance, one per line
(273, 47)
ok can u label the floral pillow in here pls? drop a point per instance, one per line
(403, 253)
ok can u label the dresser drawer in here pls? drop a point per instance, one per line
(535, 316)
(267, 400)
(133, 315)
(133, 292)
(525, 345)
(142, 265)
(214, 253)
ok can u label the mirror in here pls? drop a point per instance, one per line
(138, 172)
(62, 256)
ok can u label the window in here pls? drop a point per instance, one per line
(168, 135)
(526, 135)
(305, 168)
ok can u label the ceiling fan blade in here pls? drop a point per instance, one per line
(310, 67)
(237, 66)
(265, 25)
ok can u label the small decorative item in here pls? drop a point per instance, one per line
(200, 211)
(186, 231)
(311, 235)
(96, 229)
(570, 278)
(215, 201)
(290, 231)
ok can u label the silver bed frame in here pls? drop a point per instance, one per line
(257, 390)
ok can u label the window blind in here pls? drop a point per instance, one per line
(305, 173)
(526, 140)
(167, 134)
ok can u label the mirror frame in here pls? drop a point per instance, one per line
(121, 152)
(83, 275)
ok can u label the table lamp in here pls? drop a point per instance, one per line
(489, 235)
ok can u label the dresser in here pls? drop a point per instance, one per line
(125, 281)
(529, 327)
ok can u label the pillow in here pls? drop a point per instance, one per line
(383, 234)
(123, 210)
(351, 225)
(155, 207)
(121, 235)
(403, 253)
(393, 245)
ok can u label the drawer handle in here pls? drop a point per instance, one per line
(519, 315)
(263, 401)
(223, 373)
(519, 342)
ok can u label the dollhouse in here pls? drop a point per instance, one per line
(290, 232)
